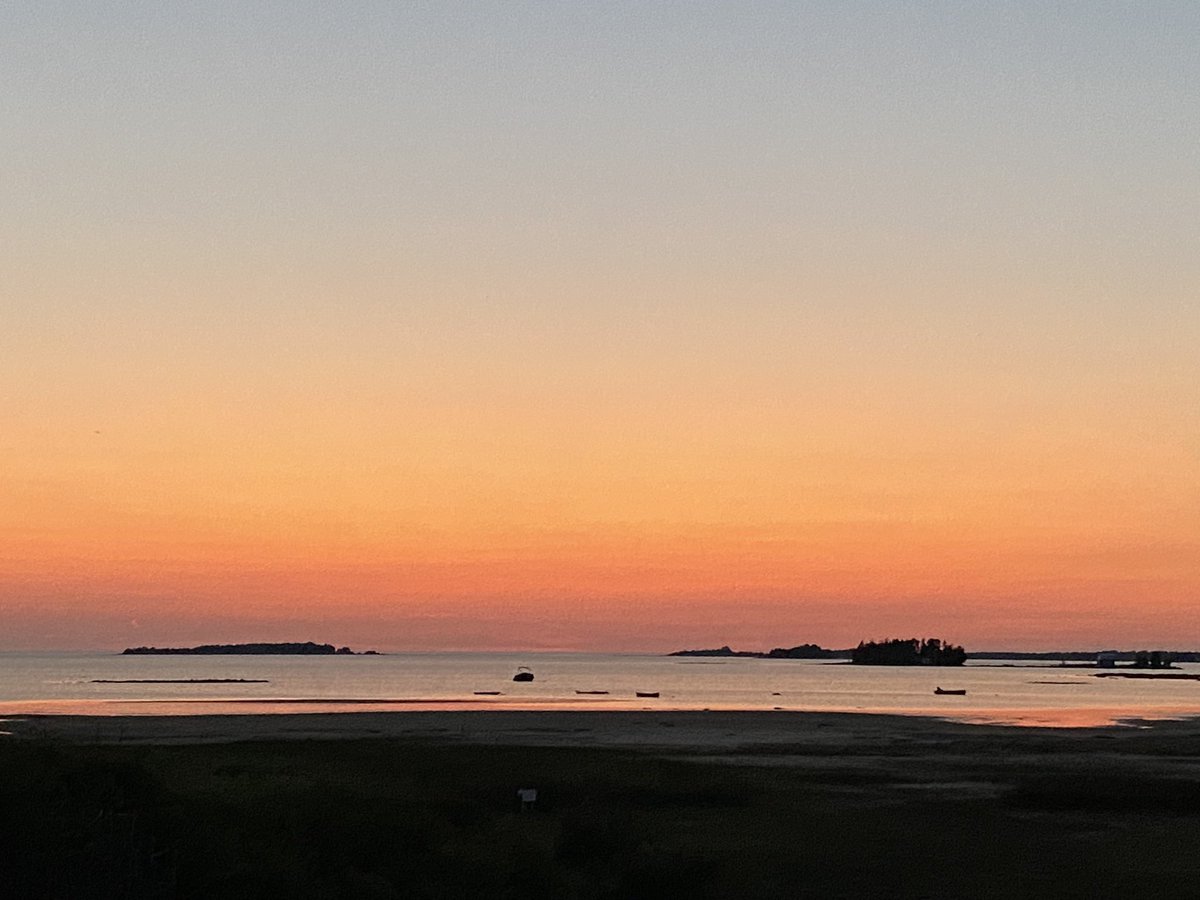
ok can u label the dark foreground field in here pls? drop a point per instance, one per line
(952, 813)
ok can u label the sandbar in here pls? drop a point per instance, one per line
(721, 731)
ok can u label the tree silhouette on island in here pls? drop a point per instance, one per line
(911, 652)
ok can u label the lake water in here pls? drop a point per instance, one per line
(1027, 694)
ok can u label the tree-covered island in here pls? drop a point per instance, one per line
(910, 652)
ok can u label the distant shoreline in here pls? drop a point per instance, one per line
(814, 651)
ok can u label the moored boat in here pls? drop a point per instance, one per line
(956, 691)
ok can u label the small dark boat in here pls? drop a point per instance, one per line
(523, 674)
(591, 692)
(645, 693)
(958, 692)
(486, 693)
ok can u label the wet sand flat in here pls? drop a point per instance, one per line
(890, 752)
(701, 730)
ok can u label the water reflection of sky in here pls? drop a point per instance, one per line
(1046, 695)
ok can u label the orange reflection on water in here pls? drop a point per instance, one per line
(1076, 717)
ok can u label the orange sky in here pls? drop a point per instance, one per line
(597, 528)
(606, 330)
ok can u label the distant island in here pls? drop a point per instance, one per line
(180, 681)
(308, 648)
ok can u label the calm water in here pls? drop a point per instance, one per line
(1027, 694)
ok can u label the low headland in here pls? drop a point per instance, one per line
(803, 651)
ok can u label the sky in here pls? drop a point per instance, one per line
(607, 327)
